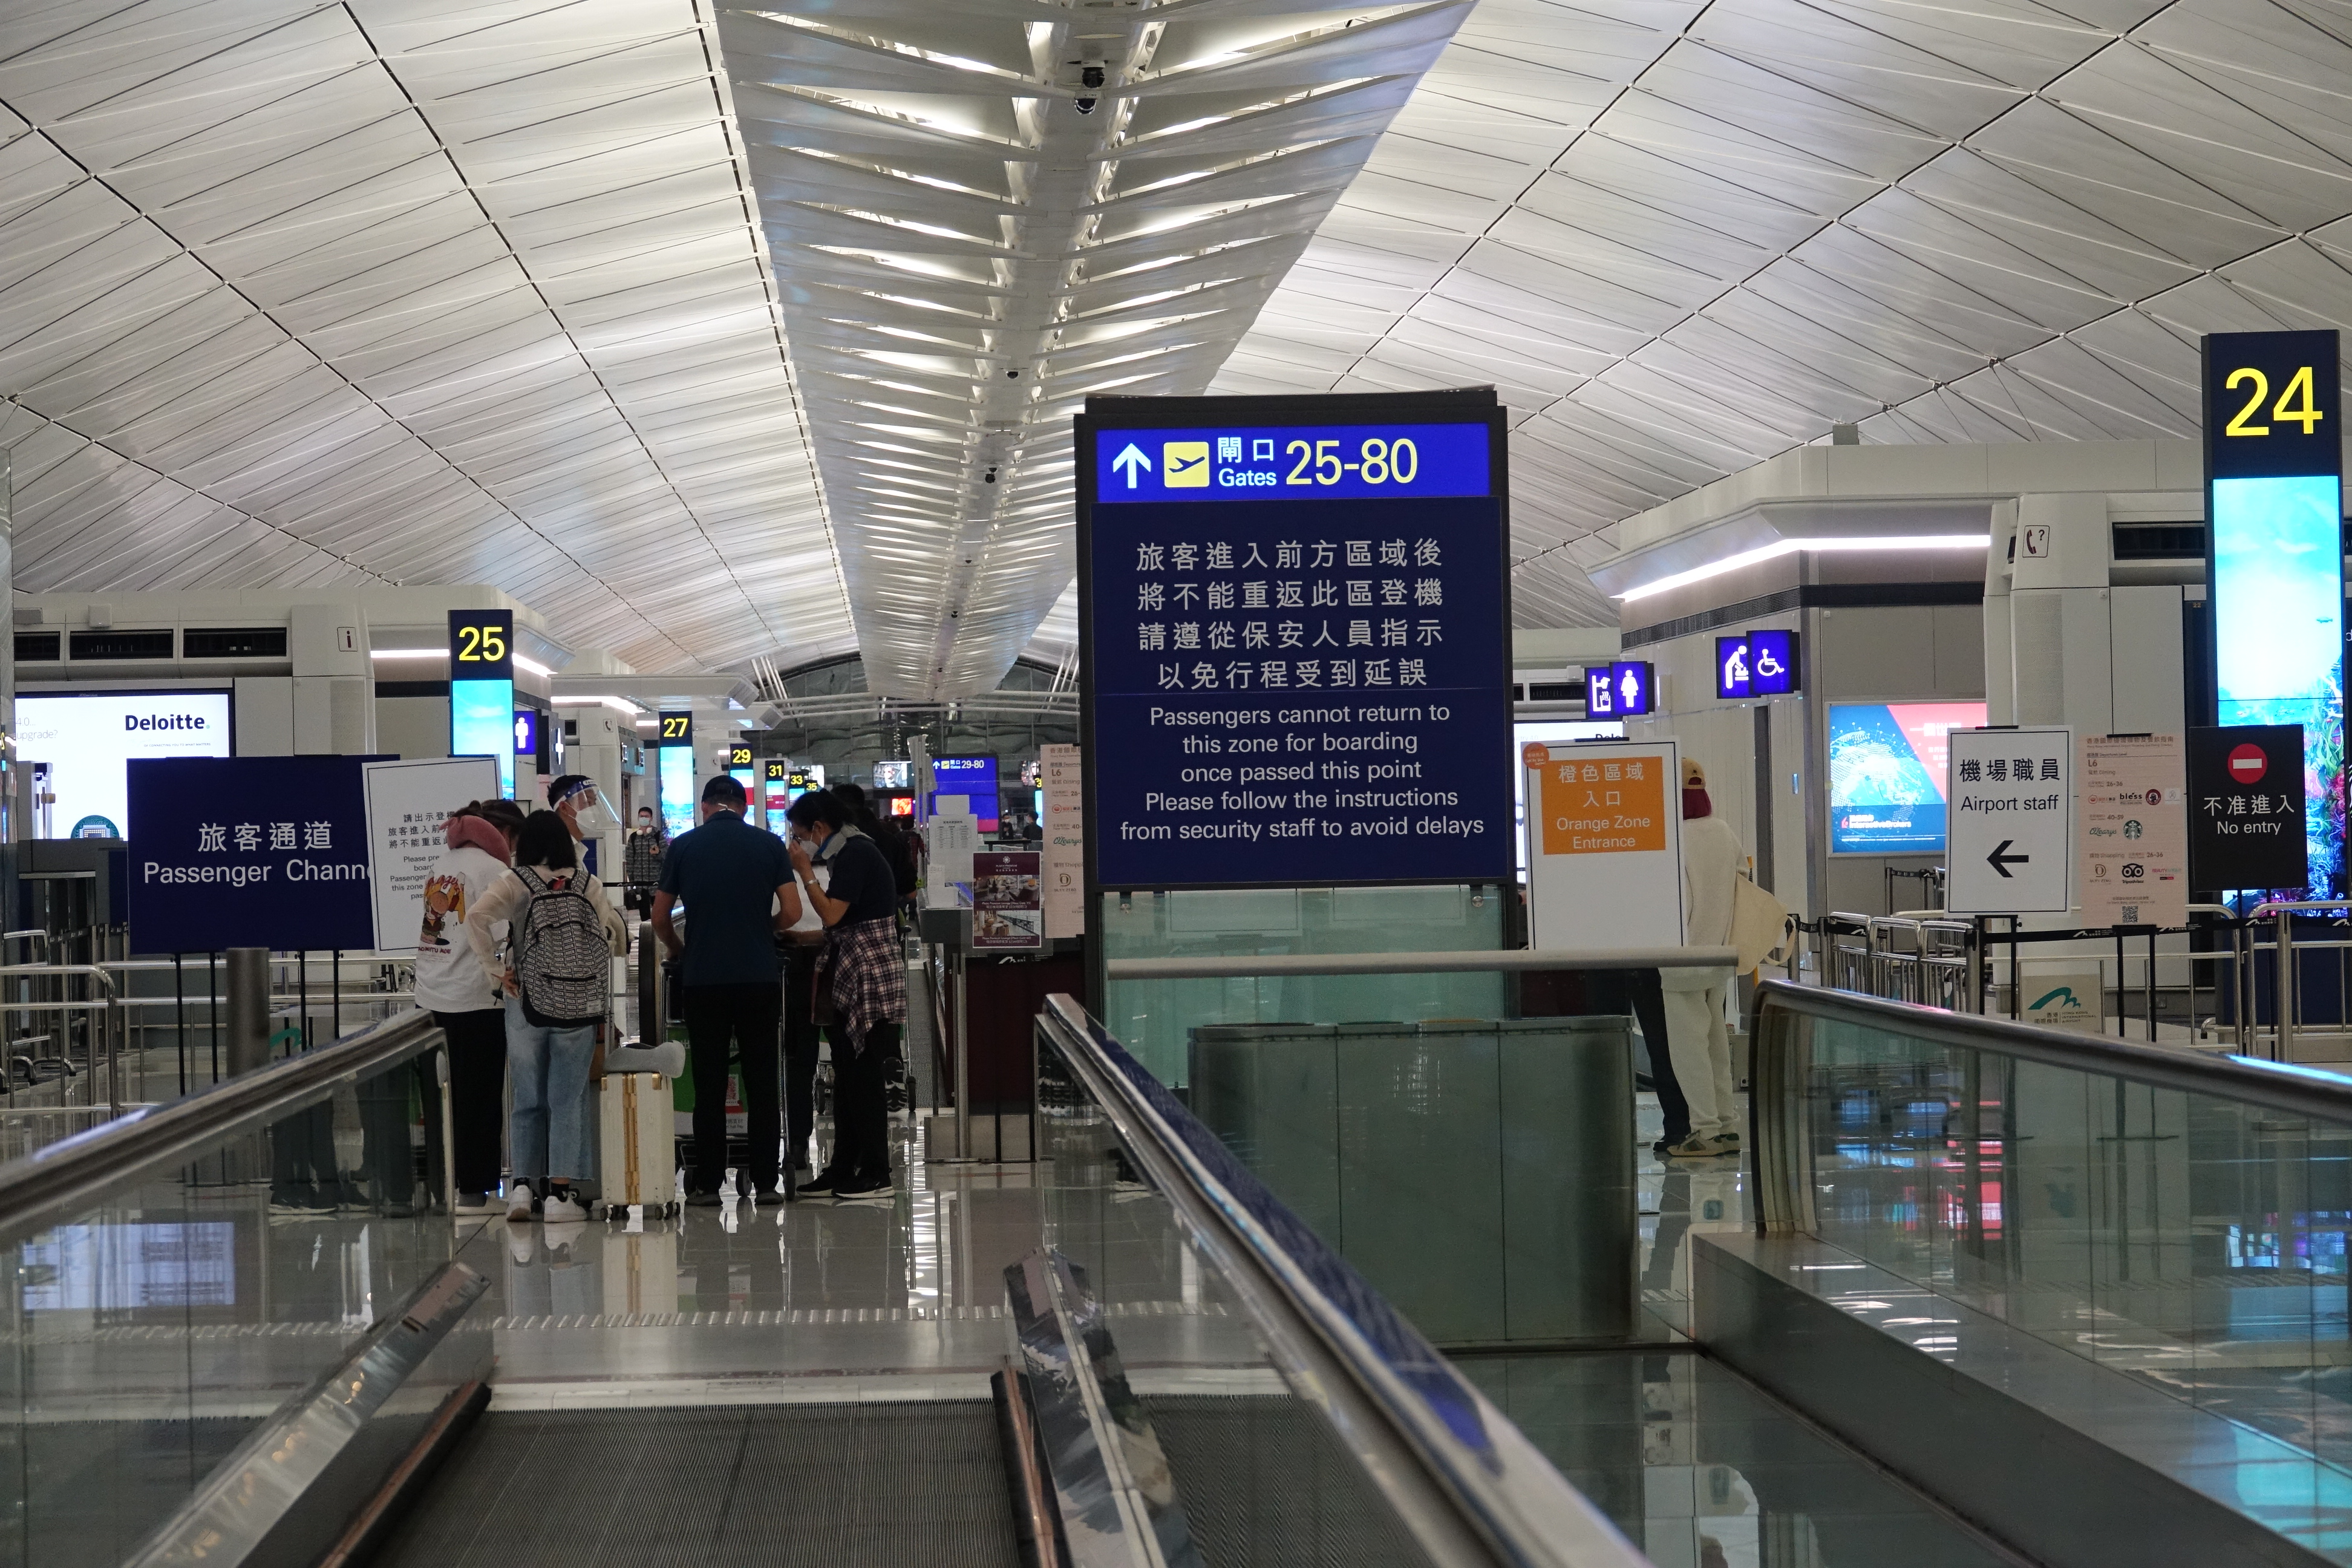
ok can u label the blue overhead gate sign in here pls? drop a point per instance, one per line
(1296, 622)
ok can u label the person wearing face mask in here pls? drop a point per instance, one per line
(736, 886)
(859, 988)
(641, 861)
(575, 799)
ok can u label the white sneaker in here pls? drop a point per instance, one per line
(562, 1206)
(519, 1203)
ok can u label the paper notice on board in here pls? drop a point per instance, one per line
(407, 803)
(2134, 830)
(1064, 869)
(950, 840)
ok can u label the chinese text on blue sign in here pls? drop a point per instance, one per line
(249, 852)
(1298, 653)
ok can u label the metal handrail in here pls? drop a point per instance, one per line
(1462, 1477)
(2273, 1085)
(1272, 965)
(75, 1173)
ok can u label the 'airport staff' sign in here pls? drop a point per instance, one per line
(2013, 821)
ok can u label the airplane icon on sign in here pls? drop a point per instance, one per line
(1184, 465)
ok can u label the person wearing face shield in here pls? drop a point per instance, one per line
(575, 799)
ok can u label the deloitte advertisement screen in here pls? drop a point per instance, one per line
(1297, 654)
(2274, 549)
(87, 738)
(1886, 774)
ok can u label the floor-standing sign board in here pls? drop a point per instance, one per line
(408, 807)
(2012, 826)
(249, 852)
(1295, 624)
(2246, 804)
(1604, 844)
(2134, 820)
(1065, 868)
(2274, 559)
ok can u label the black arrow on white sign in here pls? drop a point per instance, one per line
(2000, 862)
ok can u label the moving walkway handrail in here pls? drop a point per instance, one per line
(1460, 1476)
(75, 1173)
(1779, 1078)
(1272, 965)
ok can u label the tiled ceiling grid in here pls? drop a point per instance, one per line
(980, 213)
(1682, 236)
(402, 291)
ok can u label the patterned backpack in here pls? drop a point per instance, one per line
(562, 963)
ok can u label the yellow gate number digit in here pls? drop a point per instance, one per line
(2285, 411)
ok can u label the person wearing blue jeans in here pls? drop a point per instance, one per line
(547, 1062)
(549, 1069)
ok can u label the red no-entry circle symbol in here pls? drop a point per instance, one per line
(2247, 763)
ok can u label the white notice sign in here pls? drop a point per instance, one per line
(948, 840)
(2135, 815)
(406, 804)
(1064, 869)
(1604, 844)
(2013, 821)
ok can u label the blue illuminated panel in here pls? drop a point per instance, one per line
(1306, 462)
(1619, 691)
(677, 762)
(1772, 663)
(2275, 542)
(1734, 676)
(481, 724)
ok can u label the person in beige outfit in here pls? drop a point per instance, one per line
(1700, 1046)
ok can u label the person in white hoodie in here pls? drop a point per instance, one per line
(1697, 1038)
(462, 992)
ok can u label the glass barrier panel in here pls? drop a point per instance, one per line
(1263, 1478)
(155, 1331)
(2193, 1243)
(1151, 1017)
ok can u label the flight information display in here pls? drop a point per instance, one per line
(1297, 668)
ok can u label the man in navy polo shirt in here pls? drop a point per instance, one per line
(736, 882)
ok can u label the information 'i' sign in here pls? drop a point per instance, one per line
(2275, 560)
(1295, 623)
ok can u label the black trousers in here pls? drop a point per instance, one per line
(745, 1020)
(477, 1077)
(1649, 999)
(861, 1114)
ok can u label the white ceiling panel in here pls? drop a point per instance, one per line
(1737, 225)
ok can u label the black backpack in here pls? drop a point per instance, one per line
(562, 966)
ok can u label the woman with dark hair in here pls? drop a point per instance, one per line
(563, 934)
(862, 974)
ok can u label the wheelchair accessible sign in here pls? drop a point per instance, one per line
(2013, 821)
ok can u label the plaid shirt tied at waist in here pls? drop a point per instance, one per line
(866, 967)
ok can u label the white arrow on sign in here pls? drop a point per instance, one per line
(1129, 458)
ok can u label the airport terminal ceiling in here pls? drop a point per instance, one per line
(702, 330)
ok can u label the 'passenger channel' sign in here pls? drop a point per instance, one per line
(1296, 623)
(249, 852)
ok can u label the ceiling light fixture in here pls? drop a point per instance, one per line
(1790, 546)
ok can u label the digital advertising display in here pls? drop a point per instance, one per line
(1887, 770)
(2275, 561)
(87, 738)
(1295, 631)
(898, 774)
(481, 689)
